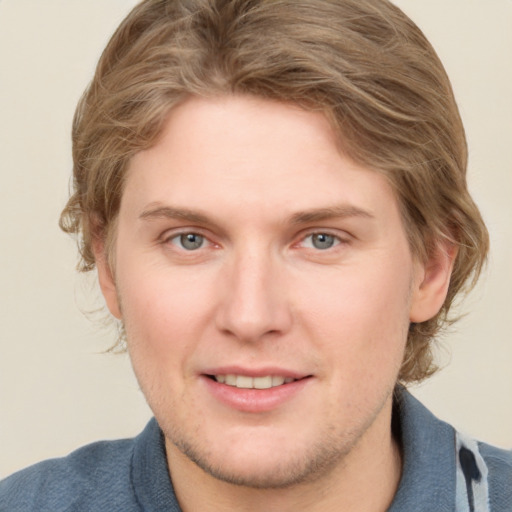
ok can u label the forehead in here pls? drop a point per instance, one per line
(250, 156)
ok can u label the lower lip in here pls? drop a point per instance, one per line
(255, 400)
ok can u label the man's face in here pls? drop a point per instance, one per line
(252, 254)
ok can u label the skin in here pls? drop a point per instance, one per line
(300, 267)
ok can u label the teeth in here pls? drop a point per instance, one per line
(262, 382)
(277, 381)
(246, 382)
(242, 381)
(231, 380)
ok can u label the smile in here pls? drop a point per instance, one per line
(247, 382)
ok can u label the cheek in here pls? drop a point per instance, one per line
(163, 313)
(161, 336)
(363, 314)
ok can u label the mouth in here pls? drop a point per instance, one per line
(248, 382)
(255, 391)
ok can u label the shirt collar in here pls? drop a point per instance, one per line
(428, 451)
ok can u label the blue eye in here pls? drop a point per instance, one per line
(189, 241)
(321, 241)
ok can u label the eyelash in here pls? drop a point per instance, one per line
(177, 239)
(180, 236)
(335, 240)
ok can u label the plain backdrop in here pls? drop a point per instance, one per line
(58, 389)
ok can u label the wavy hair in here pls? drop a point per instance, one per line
(363, 63)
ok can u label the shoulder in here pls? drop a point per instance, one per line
(466, 474)
(499, 466)
(91, 478)
(497, 459)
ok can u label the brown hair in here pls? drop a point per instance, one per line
(363, 63)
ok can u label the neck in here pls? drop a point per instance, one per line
(365, 480)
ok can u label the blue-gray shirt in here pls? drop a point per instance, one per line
(443, 471)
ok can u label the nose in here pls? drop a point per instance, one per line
(254, 303)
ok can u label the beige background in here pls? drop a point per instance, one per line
(57, 390)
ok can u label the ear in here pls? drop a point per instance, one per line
(431, 283)
(106, 278)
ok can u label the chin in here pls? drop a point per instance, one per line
(265, 465)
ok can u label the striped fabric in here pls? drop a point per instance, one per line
(471, 482)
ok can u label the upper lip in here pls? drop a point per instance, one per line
(255, 372)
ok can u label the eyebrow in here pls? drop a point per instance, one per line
(158, 211)
(155, 211)
(331, 212)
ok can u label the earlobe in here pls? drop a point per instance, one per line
(106, 278)
(431, 283)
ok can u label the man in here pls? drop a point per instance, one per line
(273, 194)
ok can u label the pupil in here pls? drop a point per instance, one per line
(323, 241)
(191, 241)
